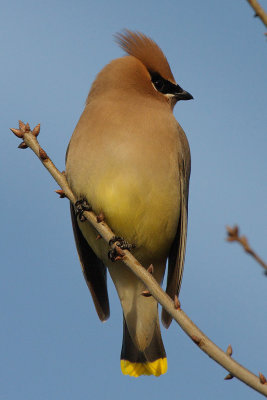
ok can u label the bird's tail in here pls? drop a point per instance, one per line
(151, 361)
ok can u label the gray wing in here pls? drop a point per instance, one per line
(94, 271)
(177, 251)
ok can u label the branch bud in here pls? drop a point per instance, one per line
(27, 127)
(232, 233)
(229, 350)
(60, 193)
(177, 304)
(262, 378)
(22, 126)
(22, 145)
(146, 293)
(42, 154)
(100, 217)
(150, 269)
(229, 376)
(36, 130)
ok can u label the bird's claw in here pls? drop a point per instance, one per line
(113, 255)
(116, 254)
(121, 243)
(80, 207)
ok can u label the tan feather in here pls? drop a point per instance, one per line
(147, 51)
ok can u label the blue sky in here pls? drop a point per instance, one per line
(52, 344)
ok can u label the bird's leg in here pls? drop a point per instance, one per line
(80, 207)
(122, 244)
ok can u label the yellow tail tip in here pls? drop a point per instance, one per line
(156, 368)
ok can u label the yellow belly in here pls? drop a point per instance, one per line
(143, 212)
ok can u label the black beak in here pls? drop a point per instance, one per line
(181, 94)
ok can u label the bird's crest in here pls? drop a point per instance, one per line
(138, 45)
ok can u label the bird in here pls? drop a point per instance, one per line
(129, 160)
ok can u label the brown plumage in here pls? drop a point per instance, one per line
(130, 159)
(145, 50)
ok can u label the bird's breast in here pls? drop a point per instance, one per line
(141, 209)
(133, 178)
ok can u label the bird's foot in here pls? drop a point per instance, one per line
(80, 207)
(121, 244)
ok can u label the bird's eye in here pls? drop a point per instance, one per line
(163, 85)
(158, 82)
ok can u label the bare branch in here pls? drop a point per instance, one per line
(171, 306)
(233, 236)
(259, 11)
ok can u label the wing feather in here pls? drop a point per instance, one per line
(177, 251)
(94, 271)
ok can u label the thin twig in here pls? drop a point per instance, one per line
(259, 11)
(233, 236)
(204, 343)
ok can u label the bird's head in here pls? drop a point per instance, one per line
(145, 70)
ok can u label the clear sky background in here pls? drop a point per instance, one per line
(52, 344)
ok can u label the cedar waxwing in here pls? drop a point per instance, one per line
(130, 160)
